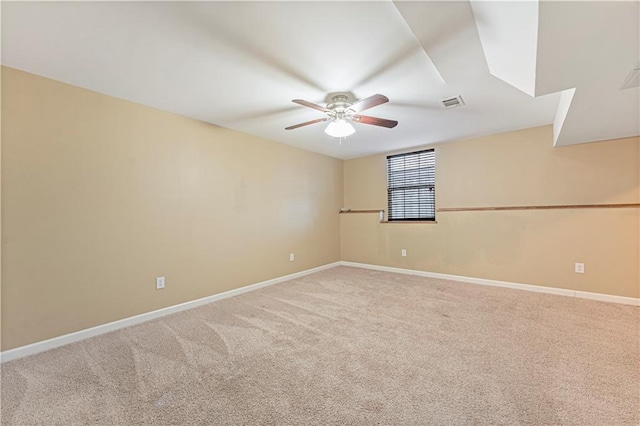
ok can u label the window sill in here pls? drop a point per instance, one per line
(409, 222)
(381, 213)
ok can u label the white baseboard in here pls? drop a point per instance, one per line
(482, 281)
(56, 342)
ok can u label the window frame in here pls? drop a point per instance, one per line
(428, 186)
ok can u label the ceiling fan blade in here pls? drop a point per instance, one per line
(310, 105)
(306, 123)
(365, 119)
(369, 102)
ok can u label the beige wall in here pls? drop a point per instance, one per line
(101, 195)
(533, 247)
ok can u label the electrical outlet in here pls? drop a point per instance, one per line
(404, 253)
(159, 283)
(292, 257)
(579, 268)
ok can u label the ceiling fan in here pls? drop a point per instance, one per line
(340, 112)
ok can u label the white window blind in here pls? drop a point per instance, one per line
(411, 190)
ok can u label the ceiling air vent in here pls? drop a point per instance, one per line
(633, 79)
(452, 102)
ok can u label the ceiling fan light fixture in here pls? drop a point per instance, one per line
(339, 129)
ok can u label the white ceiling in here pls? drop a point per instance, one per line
(239, 64)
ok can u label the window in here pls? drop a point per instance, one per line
(411, 191)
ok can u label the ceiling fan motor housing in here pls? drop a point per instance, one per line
(339, 105)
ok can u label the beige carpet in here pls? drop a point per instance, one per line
(347, 346)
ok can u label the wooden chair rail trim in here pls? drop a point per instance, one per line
(550, 207)
(362, 211)
(380, 212)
